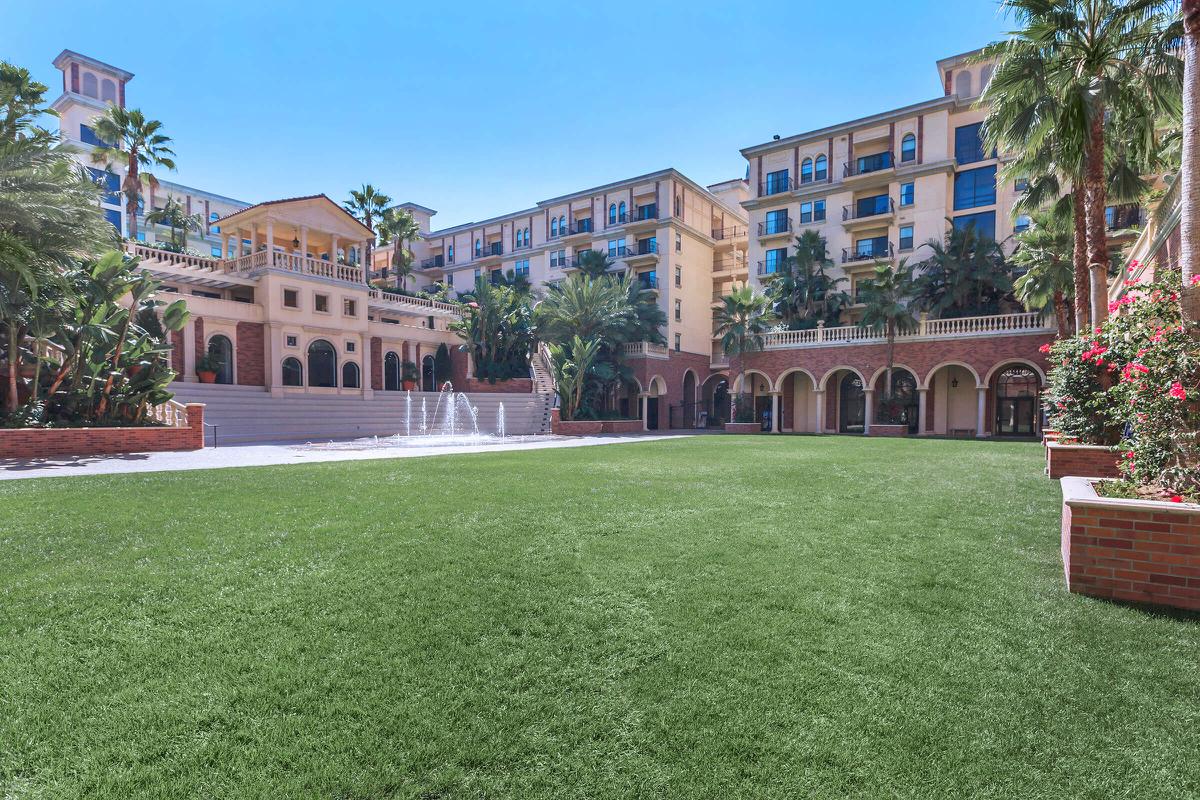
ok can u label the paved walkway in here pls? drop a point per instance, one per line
(261, 455)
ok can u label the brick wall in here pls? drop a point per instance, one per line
(671, 370)
(1085, 461)
(251, 354)
(1137, 551)
(27, 443)
(512, 385)
(177, 352)
(377, 363)
(199, 343)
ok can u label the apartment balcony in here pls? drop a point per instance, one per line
(728, 235)
(768, 269)
(927, 329)
(394, 301)
(580, 227)
(644, 251)
(490, 252)
(290, 262)
(878, 249)
(771, 228)
(648, 281)
(645, 350)
(729, 265)
(1123, 221)
(869, 170)
(868, 211)
(436, 262)
(643, 217)
(615, 220)
(776, 186)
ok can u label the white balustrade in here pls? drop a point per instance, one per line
(644, 349)
(403, 300)
(995, 325)
(172, 413)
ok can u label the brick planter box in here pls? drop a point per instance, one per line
(1131, 550)
(1049, 436)
(621, 426)
(889, 430)
(27, 443)
(512, 385)
(1084, 460)
(743, 427)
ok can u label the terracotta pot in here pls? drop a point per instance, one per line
(134, 371)
(206, 376)
(408, 386)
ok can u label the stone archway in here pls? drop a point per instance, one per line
(951, 392)
(715, 399)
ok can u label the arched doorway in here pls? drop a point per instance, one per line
(391, 373)
(322, 364)
(350, 375)
(1016, 402)
(428, 375)
(687, 409)
(293, 372)
(220, 348)
(715, 401)
(900, 406)
(653, 401)
(852, 404)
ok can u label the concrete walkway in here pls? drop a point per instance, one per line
(262, 455)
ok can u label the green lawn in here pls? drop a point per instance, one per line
(712, 617)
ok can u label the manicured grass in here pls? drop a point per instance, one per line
(710, 617)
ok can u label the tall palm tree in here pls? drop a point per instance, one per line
(367, 205)
(593, 263)
(127, 136)
(744, 316)
(397, 227)
(965, 275)
(1045, 252)
(886, 295)
(1189, 225)
(175, 216)
(1069, 66)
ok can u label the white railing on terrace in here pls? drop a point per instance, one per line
(402, 300)
(172, 413)
(646, 349)
(265, 259)
(167, 257)
(999, 324)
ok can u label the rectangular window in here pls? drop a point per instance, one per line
(1021, 223)
(349, 307)
(1021, 185)
(321, 303)
(521, 268)
(806, 213)
(349, 347)
(678, 277)
(87, 135)
(678, 310)
(678, 243)
(968, 144)
(984, 223)
(678, 342)
(141, 237)
(818, 211)
(907, 195)
(450, 279)
(649, 211)
(871, 206)
(215, 251)
(213, 217)
(494, 276)
(291, 298)
(775, 260)
(616, 248)
(975, 187)
(906, 237)
(114, 218)
(875, 247)
(873, 163)
(777, 222)
(777, 182)
(291, 340)
(648, 279)
(109, 182)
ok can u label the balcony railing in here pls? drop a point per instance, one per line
(619, 252)
(265, 259)
(997, 325)
(644, 350)
(645, 213)
(771, 267)
(579, 226)
(775, 186)
(883, 205)
(618, 219)
(724, 234)
(877, 249)
(868, 164)
(401, 301)
(648, 281)
(488, 250)
(645, 247)
(1119, 218)
(772, 227)
(433, 263)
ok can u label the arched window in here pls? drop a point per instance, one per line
(526, 234)
(220, 348)
(612, 214)
(293, 372)
(806, 171)
(1017, 382)
(89, 85)
(962, 84)
(108, 91)
(429, 376)
(322, 364)
(822, 170)
(391, 372)
(554, 226)
(908, 148)
(621, 211)
(1016, 402)
(350, 375)
(985, 75)
(562, 224)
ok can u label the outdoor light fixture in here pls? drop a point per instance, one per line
(954, 383)
(295, 242)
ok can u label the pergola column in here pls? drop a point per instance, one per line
(189, 351)
(273, 345)
(644, 400)
(868, 410)
(304, 240)
(365, 368)
(922, 398)
(231, 250)
(270, 242)
(980, 412)
(775, 426)
(820, 394)
(333, 246)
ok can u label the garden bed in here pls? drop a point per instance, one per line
(1085, 460)
(880, 429)
(513, 385)
(1144, 551)
(27, 443)
(592, 427)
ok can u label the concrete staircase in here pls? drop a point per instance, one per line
(251, 414)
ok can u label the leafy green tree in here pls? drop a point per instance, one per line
(127, 136)
(886, 295)
(804, 293)
(966, 275)
(367, 205)
(744, 317)
(572, 362)
(1044, 253)
(496, 327)
(397, 227)
(175, 216)
(1189, 173)
(593, 263)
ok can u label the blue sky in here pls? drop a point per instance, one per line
(480, 108)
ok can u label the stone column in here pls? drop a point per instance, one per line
(820, 395)
(273, 343)
(189, 352)
(270, 242)
(922, 398)
(364, 367)
(868, 410)
(304, 240)
(644, 400)
(775, 426)
(232, 246)
(980, 412)
(333, 245)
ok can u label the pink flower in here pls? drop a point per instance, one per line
(1176, 498)
(1044, 348)
(1195, 279)
(1177, 391)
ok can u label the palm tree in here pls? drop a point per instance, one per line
(1045, 251)
(593, 263)
(572, 362)
(1189, 226)
(744, 316)
(886, 296)
(1071, 65)
(965, 275)
(175, 216)
(127, 136)
(398, 228)
(366, 205)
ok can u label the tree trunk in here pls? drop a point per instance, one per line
(1060, 315)
(1097, 234)
(14, 364)
(1083, 316)
(1189, 173)
(131, 194)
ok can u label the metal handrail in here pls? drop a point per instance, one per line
(850, 212)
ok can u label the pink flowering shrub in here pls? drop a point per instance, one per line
(1077, 400)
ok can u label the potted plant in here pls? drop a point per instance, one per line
(207, 366)
(409, 375)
